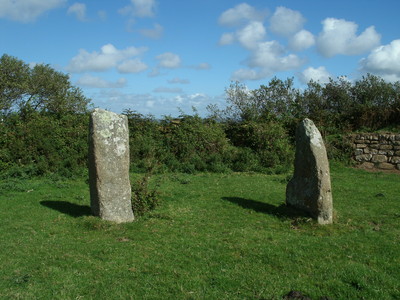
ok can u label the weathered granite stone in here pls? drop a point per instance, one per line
(386, 166)
(386, 147)
(395, 160)
(110, 189)
(367, 165)
(378, 158)
(358, 152)
(364, 157)
(310, 187)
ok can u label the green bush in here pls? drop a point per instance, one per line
(254, 133)
(145, 141)
(144, 198)
(43, 143)
(265, 144)
(198, 144)
(339, 147)
(244, 159)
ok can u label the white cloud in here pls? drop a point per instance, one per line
(97, 82)
(167, 90)
(27, 10)
(265, 57)
(116, 100)
(169, 60)
(153, 33)
(178, 80)
(286, 22)
(239, 14)
(150, 103)
(301, 40)
(248, 74)
(384, 61)
(251, 34)
(154, 72)
(319, 74)
(108, 57)
(248, 36)
(269, 57)
(202, 66)
(140, 8)
(132, 66)
(79, 10)
(227, 39)
(339, 36)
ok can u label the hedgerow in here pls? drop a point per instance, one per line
(44, 124)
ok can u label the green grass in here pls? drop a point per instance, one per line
(215, 236)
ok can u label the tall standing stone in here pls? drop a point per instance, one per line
(110, 188)
(310, 187)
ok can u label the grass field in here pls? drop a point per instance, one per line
(215, 236)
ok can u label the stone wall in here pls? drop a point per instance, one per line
(375, 150)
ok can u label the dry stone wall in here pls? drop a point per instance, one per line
(375, 150)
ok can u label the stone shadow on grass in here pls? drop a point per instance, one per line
(68, 208)
(282, 211)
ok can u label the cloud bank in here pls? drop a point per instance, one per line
(90, 81)
(79, 10)
(26, 11)
(384, 61)
(319, 74)
(107, 58)
(339, 36)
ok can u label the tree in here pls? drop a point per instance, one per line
(13, 81)
(241, 106)
(373, 91)
(39, 88)
(338, 95)
(376, 102)
(277, 100)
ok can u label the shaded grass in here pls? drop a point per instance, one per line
(213, 237)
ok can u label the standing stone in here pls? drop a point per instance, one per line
(310, 187)
(110, 188)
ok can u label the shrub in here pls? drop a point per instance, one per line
(144, 198)
(145, 141)
(198, 144)
(244, 159)
(44, 142)
(339, 147)
(268, 142)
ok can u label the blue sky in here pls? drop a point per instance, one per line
(155, 56)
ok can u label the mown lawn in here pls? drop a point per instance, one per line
(215, 236)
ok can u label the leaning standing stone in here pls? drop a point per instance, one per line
(310, 187)
(110, 188)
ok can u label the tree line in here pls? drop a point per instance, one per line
(44, 124)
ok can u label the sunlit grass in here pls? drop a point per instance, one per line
(215, 236)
